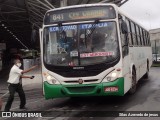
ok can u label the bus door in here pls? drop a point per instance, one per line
(125, 53)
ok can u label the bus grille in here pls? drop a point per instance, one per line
(85, 81)
(79, 73)
(80, 89)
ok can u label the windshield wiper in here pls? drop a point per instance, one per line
(88, 35)
(62, 32)
(93, 27)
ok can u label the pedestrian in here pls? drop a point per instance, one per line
(15, 85)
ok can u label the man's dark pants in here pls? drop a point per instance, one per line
(12, 89)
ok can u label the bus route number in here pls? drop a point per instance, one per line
(57, 17)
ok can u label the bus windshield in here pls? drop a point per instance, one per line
(81, 44)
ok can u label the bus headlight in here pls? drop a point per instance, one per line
(111, 76)
(50, 79)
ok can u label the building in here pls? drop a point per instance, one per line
(155, 40)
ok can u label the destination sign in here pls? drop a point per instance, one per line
(85, 13)
(81, 26)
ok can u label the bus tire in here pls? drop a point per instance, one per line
(134, 83)
(147, 71)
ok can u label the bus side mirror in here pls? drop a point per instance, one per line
(41, 36)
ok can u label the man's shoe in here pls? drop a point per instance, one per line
(6, 110)
(23, 108)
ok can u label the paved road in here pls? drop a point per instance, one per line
(147, 98)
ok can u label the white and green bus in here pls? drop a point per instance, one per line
(92, 50)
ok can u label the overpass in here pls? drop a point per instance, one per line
(21, 19)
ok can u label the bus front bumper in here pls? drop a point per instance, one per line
(100, 89)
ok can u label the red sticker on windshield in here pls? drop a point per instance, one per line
(96, 54)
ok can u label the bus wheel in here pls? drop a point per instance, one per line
(133, 87)
(147, 71)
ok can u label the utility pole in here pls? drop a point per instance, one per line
(63, 3)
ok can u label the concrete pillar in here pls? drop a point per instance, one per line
(63, 3)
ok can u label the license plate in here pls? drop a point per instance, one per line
(111, 89)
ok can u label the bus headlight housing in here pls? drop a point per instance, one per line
(111, 76)
(50, 79)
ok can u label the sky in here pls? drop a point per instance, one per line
(145, 12)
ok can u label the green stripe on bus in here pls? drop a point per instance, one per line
(57, 91)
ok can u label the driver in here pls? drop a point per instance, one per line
(85, 43)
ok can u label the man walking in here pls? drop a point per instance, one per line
(14, 84)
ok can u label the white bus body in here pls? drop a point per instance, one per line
(110, 68)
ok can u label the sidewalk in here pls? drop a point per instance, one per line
(3, 80)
